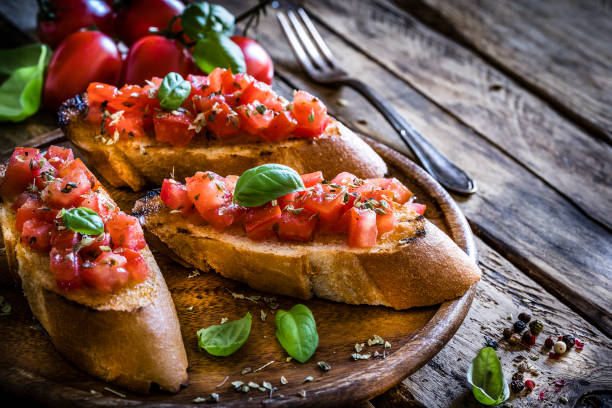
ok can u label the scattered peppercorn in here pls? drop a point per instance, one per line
(517, 386)
(554, 356)
(549, 343)
(518, 376)
(579, 345)
(530, 385)
(528, 339)
(491, 343)
(519, 326)
(507, 333)
(560, 347)
(569, 341)
(524, 317)
(536, 327)
(563, 400)
(515, 339)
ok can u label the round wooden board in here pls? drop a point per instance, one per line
(30, 368)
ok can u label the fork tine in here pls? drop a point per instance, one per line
(296, 46)
(303, 36)
(314, 33)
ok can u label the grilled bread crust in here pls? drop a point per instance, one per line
(130, 337)
(425, 268)
(140, 162)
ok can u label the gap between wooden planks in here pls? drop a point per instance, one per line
(515, 211)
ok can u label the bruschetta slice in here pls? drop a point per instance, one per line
(87, 273)
(228, 123)
(351, 240)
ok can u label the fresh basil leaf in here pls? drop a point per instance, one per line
(224, 339)
(486, 376)
(265, 183)
(296, 330)
(201, 18)
(218, 50)
(20, 93)
(83, 220)
(173, 91)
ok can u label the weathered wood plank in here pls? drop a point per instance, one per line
(521, 124)
(561, 49)
(516, 212)
(503, 291)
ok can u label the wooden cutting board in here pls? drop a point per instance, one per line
(30, 368)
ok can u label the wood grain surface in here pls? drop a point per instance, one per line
(32, 368)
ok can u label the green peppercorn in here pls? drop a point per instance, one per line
(507, 333)
(536, 327)
(524, 317)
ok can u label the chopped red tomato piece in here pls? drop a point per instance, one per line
(230, 183)
(281, 127)
(67, 191)
(37, 234)
(135, 265)
(287, 199)
(58, 156)
(33, 208)
(401, 192)
(100, 202)
(311, 179)
(107, 272)
(385, 222)
(362, 229)
(20, 171)
(100, 244)
(225, 215)
(259, 221)
(297, 225)
(44, 174)
(125, 231)
(174, 127)
(206, 190)
(64, 238)
(66, 267)
(255, 117)
(174, 195)
(75, 165)
(222, 121)
(419, 208)
(310, 113)
(256, 91)
(327, 205)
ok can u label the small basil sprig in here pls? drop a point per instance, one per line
(173, 91)
(296, 330)
(224, 339)
(200, 18)
(486, 376)
(83, 220)
(264, 183)
(218, 50)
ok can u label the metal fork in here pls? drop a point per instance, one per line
(317, 60)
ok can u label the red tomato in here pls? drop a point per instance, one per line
(107, 272)
(75, 166)
(329, 206)
(45, 173)
(257, 91)
(156, 56)
(59, 18)
(297, 227)
(99, 202)
(64, 239)
(37, 234)
(64, 192)
(174, 195)
(173, 128)
(134, 18)
(287, 199)
(83, 57)
(66, 267)
(362, 229)
(93, 249)
(58, 156)
(401, 193)
(281, 127)
(258, 61)
(311, 179)
(125, 231)
(33, 208)
(136, 265)
(385, 222)
(254, 118)
(419, 208)
(259, 221)
(225, 215)
(230, 183)
(222, 121)
(19, 172)
(310, 113)
(206, 191)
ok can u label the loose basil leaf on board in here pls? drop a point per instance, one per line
(201, 18)
(265, 183)
(486, 376)
(224, 339)
(296, 330)
(20, 93)
(218, 50)
(83, 220)
(173, 91)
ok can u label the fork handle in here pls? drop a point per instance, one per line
(436, 164)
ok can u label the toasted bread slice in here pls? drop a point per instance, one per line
(139, 162)
(426, 267)
(130, 337)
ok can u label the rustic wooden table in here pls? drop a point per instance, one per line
(519, 94)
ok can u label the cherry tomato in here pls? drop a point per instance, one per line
(258, 61)
(135, 18)
(83, 57)
(57, 19)
(156, 56)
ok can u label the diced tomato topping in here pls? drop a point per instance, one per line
(173, 127)
(66, 267)
(37, 234)
(225, 215)
(281, 127)
(95, 248)
(401, 192)
(362, 229)
(64, 238)
(297, 225)
(67, 191)
(256, 91)
(310, 113)
(33, 208)
(20, 171)
(100, 202)
(230, 183)
(287, 199)
(222, 121)
(75, 165)
(125, 231)
(311, 179)
(206, 190)
(419, 208)
(58, 156)
(107, 272)
(328, 206)
(385, 222)
(135, 265)
(255, 117)
(174, 195)
(259, 221)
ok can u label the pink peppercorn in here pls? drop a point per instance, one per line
(554, 356)
(541, 396)
(579, 345)
(530, 385)
(560, 383)
(549, 342)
